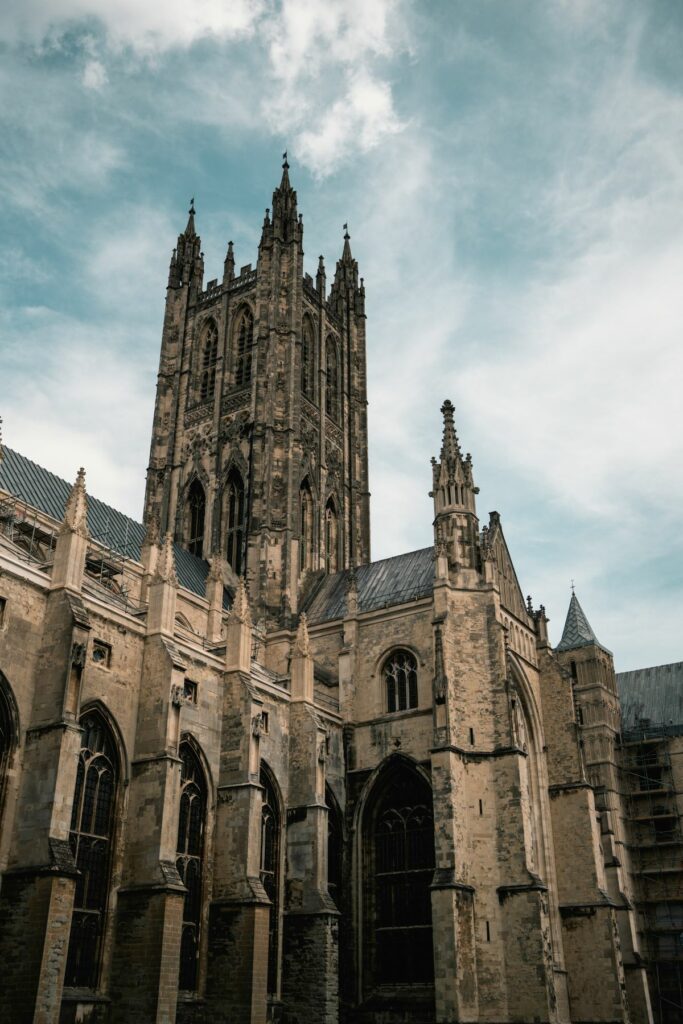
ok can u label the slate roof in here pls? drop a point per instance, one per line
(577, 630)
(653, 695)
(381, 584)
(42, 490)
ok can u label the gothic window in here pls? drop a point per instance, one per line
(245, 340)
(209, 359)
(400, 678)
(270, 869)
(92, 830)
(399, 837)
(332, 381)
(235, 516)
(307, 360)
(331, 537)
(196, 507)
(334, 846)
(8, 736)
(306, 526)
(189, 854)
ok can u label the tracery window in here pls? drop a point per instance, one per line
(196, 507)
(400, 679)
(235, 516)
(334, 847)
(306, 526)
(190, 849)
(92, 830)
(332, 381)
(331, 537)
(399, 917)
(270, 869)
(245, 341)
(209, 359)
(307, 360)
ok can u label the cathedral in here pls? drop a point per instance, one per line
(247, 774)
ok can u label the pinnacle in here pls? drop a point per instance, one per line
(240, 605)
(165, 568)
(76, 509)
(450, 446)
(346, 254)
(302, 643)
(189, 230)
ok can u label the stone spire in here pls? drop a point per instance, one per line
(345, 276)
(187, 261)
(321, 277)
(229, 265)
(577, 629)
(346, 253)
(76, 510)
(71, 549)
(189, 230)
(456, 528)
(285, 223)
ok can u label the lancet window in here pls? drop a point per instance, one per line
(270, 869)
(209, 359)
(90, 837)
(400, 837)
(306, 526)
(8, 737)
(307, 360)
(331, 537)
(332, 381)
(245, 341)
(235, 519)
(400, 680)
(196, 508)
(189, 861)
(334, 847)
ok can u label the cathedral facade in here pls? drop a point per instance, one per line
(246, 773)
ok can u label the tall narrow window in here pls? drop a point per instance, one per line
(400, 678)
(209, 359)
(307, 360)
(331, 537)
(270, 869)
(189, 854)
(196, 507)
(245, 341)
(400, 834)
(306, 526)
(235, 517)
(332, 381)
(334, 846)
(92, 827)
(8, 736)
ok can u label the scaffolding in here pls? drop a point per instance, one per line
(656, 847)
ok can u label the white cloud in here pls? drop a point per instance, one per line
(94, 75)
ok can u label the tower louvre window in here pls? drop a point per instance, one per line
(235, 512)
(245, 341)
(307, 360)
(92, 826)
(190, 849)
(207, 385)
(306, 526)
(332, 380)
(196, 507)
(400, 678)
(331, 537)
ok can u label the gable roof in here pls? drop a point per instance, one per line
(495, 546)
(577, 630)
(390, 581)
(47, 493)
(653, 696)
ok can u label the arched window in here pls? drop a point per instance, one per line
(307, 360)
(196, 508)
(270, 869)
(399, 839)
(209, 359)
(8, 734)
(306, 526)
(334, 846)
(92, 830)
(235, 518)
(400, 678)
(331, 537)
(190, 849)
(332, 381)
(245, 340)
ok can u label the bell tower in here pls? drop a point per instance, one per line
(259, 453)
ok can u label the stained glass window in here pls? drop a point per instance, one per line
(400, 677)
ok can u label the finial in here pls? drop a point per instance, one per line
(572, 586)
(76, 510)
(529, 605)
(285, 164)
(346, 232)
(192, 210)
(240, 605)
(165, 567)
(230, 247)
(302, 643)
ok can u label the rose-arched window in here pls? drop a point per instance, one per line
(305, 526)
(332, 380)
(245, 341)
(209, 359)
(307, 360)
(189, 861)
(270, 869)
(90, 837)
(331, 537)
(235, 509)
(400, 680)
(196, 510)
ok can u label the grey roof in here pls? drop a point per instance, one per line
(42, 490)
(652, 698)
(577, 631)
(381, 584)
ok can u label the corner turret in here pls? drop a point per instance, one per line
(456, 529)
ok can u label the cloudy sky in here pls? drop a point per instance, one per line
(512, 175)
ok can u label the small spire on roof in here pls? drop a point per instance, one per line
(165, 567)
(302, 643)
(346, 255)
(189, 230)
(285, 164)
(577, 629)
(241, 611)
(450, 446)
(76, 509)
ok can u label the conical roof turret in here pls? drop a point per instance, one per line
(577, 629)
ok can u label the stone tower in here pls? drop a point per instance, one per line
(259, 444)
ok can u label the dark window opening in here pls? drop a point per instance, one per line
(306, 527)
(331, 537)
(189, 854)
(7, 738)
(235, 538)
(3, 605)
(209, 359)
(400, 677)
(190, 691)
(196, 503)
(270, 871)
(92, 827)
(334, 847)
(101, 653)
(245, 341)
(307, 361)
(332, 381)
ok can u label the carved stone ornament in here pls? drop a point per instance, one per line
(78, 652)
(257, 725)
(178, 696)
